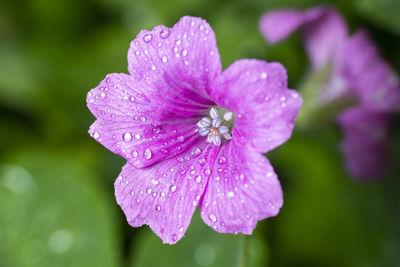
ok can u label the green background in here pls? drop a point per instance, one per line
(57, 205)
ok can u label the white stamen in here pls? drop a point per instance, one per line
(223, 130)
(216, 122)
(228, 116)
(214, 113)
(216, 140)
(213, 129)
(204, 122)
(204, 131)
(227, 136)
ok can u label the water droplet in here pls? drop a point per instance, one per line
(181, 138)
(164, 59)
(207, 172)
(147, 153)
(230, 194)
(263, 75)
(102, 95)
(164, 34)
(184, 52)
(134, 154)
(181, 229)
(173, 237)
(222, 160)
(147, 38)
(155, 182)
(196, 152)
(158, 208)
(127, 137)
(172, 188)
(162, 194)
(137, 136)
(132, 98)
(148, 190)
(202, 162)
(198, 179)
(143, 118)
(213, 218)
(153, 67)
(96, 135)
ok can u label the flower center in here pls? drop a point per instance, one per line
(215, 127)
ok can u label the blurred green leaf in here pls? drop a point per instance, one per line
(201, 246)
(384, 13)
(52, 213)
(327, 219)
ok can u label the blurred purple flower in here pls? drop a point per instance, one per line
(357, 70)
(192, 134)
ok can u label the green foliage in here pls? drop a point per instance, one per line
(52, 213)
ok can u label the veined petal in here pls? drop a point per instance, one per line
(323, 27)
(368, 74)
(181, 61)
(166, 195)
(132, 124)
(364, 144)
(242, 189)
(265, 109)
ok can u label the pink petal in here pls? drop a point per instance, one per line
(132, 123)
(185, 58)
(265, 109)
(243, 189)
(365, 144)
(166, 195)
(368, 74)
(323, 27)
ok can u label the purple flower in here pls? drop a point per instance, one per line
(192, 134)
(357, 71)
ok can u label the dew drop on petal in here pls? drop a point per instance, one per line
(164, 59)
(172, 188)
(158, 208)
(207, 172)
(222, 160)
(137, 136)
(127, 137)
(263, 75)
(213, 218)
(173, 237)
(134, 154)
(96, 135)
(147, 38)
(147, 153)
(164, 34)
(196, 152)
(198, 179)
(230, 194)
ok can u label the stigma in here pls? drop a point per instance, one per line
(215, 127)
